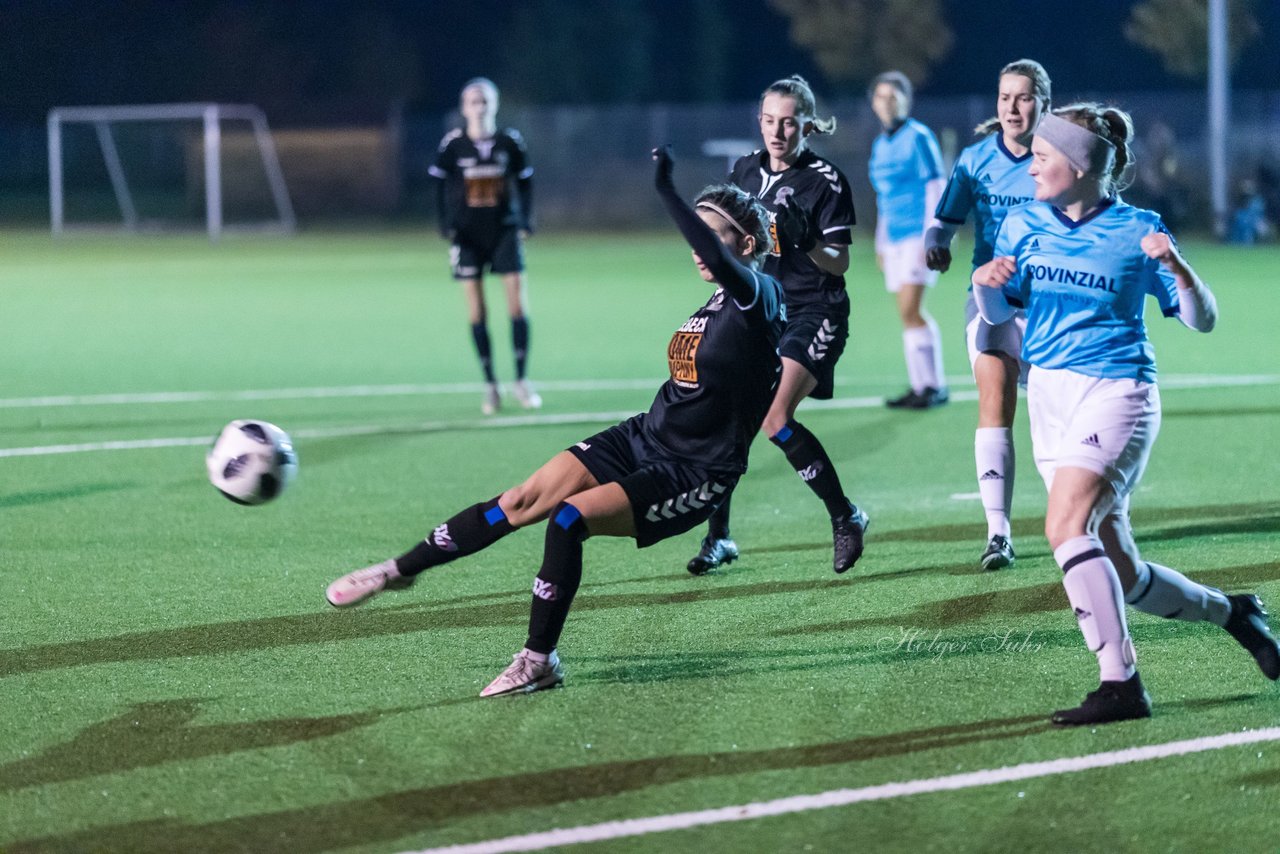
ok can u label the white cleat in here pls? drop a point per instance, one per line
(491, 402)
(355, 587)
(526, 396)
(525, 675)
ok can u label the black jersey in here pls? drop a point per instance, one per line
(486, 183)
(818, 188)
(724, 369)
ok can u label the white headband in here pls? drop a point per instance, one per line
(1084, 150)
(733, 222)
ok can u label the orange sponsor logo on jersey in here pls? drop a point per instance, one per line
(775, 247)
(484, 192)
(681, 353)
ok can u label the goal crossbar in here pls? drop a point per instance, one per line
(211, 117)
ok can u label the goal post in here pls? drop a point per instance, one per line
(210, 117)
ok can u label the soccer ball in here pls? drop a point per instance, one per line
(251, 462)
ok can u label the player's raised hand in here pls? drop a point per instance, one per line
(665, 165)
(996, 273)
(798, 230)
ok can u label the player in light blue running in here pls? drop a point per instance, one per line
(1082, 263)
(988, 178)
(906, 172)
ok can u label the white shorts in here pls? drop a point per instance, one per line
(904, 264)
(1005, 337)
(1105, 426)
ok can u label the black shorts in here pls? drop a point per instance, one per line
(668, 496)
(815, 337)
(469, 257)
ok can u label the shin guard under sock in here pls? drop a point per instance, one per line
(557, 581)
(476, 528)
(480, 334)
(810, 460)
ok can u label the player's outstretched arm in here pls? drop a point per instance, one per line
(735, 278)
(1197, 307)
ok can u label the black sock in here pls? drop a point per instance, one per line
(480, 333)
(718, 524)
(477, 527)
(810, 460)
(557, 581)
(520, 343)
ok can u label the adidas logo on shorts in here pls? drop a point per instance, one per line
(991, 474)
(1091, 441)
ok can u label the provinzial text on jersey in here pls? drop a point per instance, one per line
(997, 201)
(1063, 276)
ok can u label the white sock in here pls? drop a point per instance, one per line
(938, 377)
(1168, 593)
(993, 452)
(1093, 589)
(912, 341)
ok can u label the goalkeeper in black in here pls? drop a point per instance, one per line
(486, 209)
(811, 205)
(653, 476)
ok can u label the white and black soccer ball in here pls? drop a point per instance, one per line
(251, 462)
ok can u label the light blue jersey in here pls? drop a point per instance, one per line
(986, 180)
(1083, 285)
(901, 164)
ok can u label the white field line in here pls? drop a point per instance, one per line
(438, 426)
(320, 392)
(844, 797)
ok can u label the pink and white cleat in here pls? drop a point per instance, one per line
(355, 587)
(526, 674)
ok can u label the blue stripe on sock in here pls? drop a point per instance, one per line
(494, 515)
(566, 517)
(784, 434)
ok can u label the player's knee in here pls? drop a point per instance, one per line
(774, 422)
(520, 503)
(567, 521)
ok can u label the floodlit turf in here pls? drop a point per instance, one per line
(174, 681)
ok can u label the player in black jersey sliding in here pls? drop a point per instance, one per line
(812, 207)
(485, 195)
(656, 474)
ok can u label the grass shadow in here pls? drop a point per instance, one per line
(49, 496)
(153, 733)
(389, 817)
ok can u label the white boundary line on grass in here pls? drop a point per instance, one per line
(1180, 381)
(843, 797)
(405, 390)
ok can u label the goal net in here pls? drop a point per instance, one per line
(165, 166)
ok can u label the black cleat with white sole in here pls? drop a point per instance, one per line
(712, 554)
(1111, 702)
(1248, 625)
(847, 533)
(999, 554)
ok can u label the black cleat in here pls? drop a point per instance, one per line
(999, 553)
(1113, 701)
(1248, 625)
(910, 400)
(712, 554)
(925, 399)
(932, 397)
(847, 532)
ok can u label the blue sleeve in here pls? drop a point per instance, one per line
(1017, 290)
(928, 155)
(957, 198)
(1161, 283)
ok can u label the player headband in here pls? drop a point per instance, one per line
(1084, 150)
(733, 222)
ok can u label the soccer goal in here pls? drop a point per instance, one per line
(163, 166)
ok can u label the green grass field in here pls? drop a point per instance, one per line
(174, 681)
